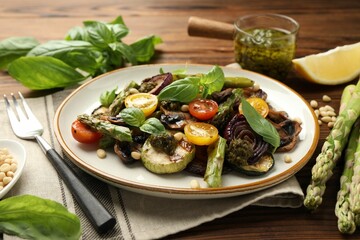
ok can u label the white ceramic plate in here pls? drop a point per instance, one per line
(17, 150)
(137, 178)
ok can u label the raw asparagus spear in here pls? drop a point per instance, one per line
(118, 132)
(216, 154)
(346, 95)
(331, 151)
(343, 211)
(355, 181)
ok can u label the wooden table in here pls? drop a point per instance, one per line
(325, 24)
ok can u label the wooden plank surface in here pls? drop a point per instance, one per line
(324, 25)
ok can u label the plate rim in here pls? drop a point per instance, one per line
(155, 189)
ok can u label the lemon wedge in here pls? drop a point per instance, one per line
(336, 66)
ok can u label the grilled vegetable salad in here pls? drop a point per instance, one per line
(204, 123)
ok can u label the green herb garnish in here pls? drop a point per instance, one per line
(187, 89)
(136, 118)
(86, 51)
(260, 125)
(32, 217)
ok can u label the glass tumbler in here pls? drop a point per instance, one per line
(266, 43)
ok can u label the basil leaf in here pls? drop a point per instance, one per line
(32, 217)
(106, 98)
(122, 51)
(212, 81)
(152, 126)
(133, 116)
(77, 33)
(118, 27)
(13, 48)
(144, 48)
(78, 54)
(42, 72)
(99, 34)
(183, 90)
(260, 125)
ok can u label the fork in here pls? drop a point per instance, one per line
(26, 126)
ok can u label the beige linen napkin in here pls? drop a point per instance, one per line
(138, 216)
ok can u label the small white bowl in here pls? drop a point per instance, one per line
(17, 150)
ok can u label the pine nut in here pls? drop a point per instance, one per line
(319, 122)
(329, 108)
(101, 153)
(326, 119)
(133, 91)
(256, 87)
(10, 174)
(5, 167)
(287, 158)
(313, 103)
(178, 136)
(330, 124)
(194, 184)
(326, 98)
(6, 180)
(184, 108)
(136, 155)
(317, 112)
(297, 119)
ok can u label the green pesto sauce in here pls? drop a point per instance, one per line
(267, 51)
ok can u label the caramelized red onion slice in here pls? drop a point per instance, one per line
(160, 81)
(238, 127)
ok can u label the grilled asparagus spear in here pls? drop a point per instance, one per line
(216, 154)
(118, 132)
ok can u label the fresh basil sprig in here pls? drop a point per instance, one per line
(107, 97)
(93, 49)
(201, 85)
(135, 117)
(260, 125)
(32, 217)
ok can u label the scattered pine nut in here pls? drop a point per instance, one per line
(136, 155)
(297, 119)
(184, 108)
(326, 98)
(331, 124)
(314, 104)
(256, 87)
(101, 153)
(326, 119)
(287, 158)
(178, 136)
(194, 184)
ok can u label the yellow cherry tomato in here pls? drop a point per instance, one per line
(200, 133)
(147, 102)
(259, 104)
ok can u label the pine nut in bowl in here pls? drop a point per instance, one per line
(12, 162)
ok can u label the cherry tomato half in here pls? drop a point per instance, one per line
(259, 104)
(83, 133)
(200, 133)
(147, 102)
(203, 109)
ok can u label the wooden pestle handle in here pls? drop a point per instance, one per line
(201, 27)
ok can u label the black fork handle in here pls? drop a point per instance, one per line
(98, 215)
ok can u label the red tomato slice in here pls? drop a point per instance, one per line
(83, 133)
(203, 109)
